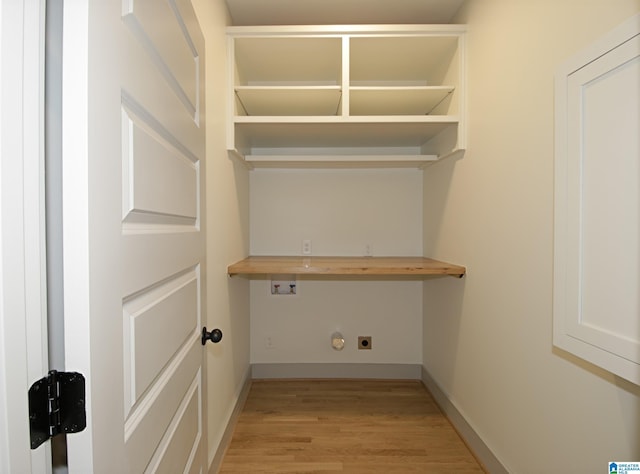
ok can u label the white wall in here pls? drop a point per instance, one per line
(487, 342)
(341, 211)
(228, 237)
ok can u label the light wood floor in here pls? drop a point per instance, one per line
(355, 426)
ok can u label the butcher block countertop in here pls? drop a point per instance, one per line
(328, 266)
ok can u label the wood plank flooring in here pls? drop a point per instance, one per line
(355, 426)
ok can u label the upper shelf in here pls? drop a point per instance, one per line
(304, 93)
(277, 101)
(337, 266)
(332, 141)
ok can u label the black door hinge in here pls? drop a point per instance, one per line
(56, 405)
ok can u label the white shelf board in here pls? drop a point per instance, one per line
(339, 161)
(289, 100)
(372, 119)
(336, 132)
(396, 100)
(398, 157)
(336, 160)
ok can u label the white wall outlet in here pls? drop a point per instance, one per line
(306, 247)
(269, 342)
(368, 250)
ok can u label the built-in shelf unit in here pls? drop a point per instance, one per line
(382, 95)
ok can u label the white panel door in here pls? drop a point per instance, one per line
(133, 171)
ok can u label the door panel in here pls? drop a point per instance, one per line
(144, 237)
(183, 435)
(604, 152)
(165, 33)
(160, 183)
(149, 421)
(157, 323)
(597, 211)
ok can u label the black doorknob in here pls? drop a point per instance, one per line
(214, 336)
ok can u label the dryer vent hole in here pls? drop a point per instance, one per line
(364, 342)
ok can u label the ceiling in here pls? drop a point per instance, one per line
(341, 12)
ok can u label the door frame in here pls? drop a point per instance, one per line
(23, 324)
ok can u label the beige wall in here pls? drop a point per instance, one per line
(488, 342)
(228, 237)
(341, 211)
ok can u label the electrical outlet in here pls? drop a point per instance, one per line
(368, 250)
(306, 247)
(364, 342)
(269, 342)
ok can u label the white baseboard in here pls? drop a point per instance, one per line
(337, 371)
(480, 450)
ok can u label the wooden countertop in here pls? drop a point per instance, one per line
(380, 266)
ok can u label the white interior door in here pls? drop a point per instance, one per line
(133, 198)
